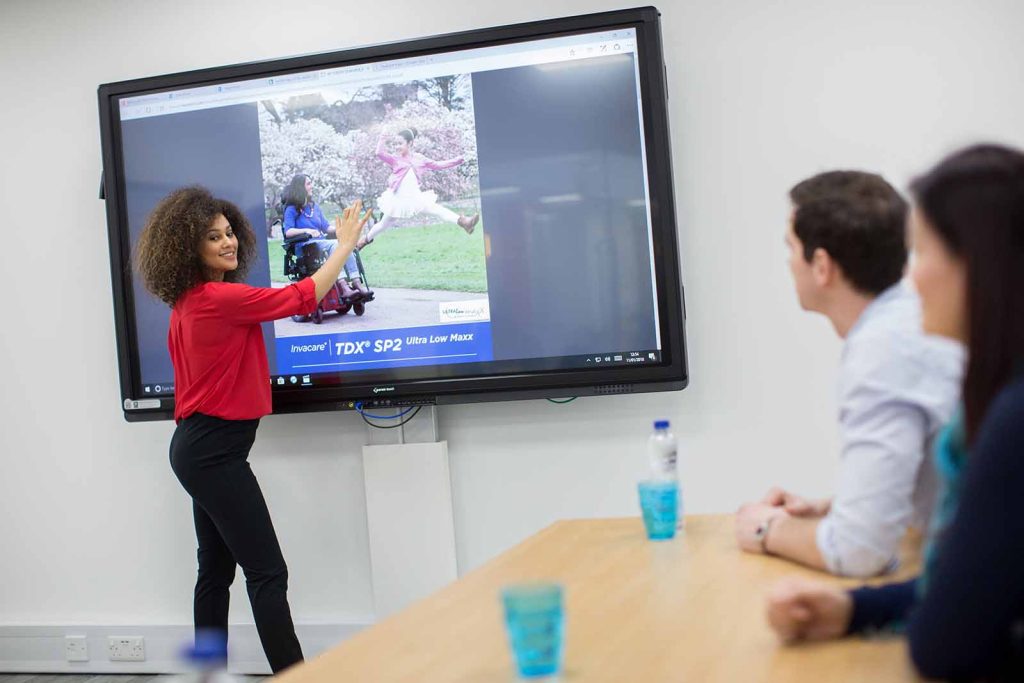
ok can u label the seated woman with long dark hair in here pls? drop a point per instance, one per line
(303, 216)
(964, 614)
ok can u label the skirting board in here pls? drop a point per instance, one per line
(40, 649)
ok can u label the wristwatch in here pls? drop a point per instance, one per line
(761, 533)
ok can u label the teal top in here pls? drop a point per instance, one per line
(950, 457)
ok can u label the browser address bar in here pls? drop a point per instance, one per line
(373, 73)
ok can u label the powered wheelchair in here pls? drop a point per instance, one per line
(302, 258)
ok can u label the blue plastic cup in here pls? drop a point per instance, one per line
(659, 502)
(533, 615)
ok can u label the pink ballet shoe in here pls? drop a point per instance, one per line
(468, 223)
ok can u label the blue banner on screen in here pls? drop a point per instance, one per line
(435, 345)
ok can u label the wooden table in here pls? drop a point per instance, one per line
(690, 609)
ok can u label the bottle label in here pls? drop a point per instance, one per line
(666, 463)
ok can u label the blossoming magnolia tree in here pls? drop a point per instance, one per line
(343, 164)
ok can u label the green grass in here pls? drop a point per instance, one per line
(439, 256)
(275, 255)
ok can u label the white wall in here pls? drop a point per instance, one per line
(94, 528)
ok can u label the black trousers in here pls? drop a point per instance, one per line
(210, 458)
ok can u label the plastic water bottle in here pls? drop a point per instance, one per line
(661, 452)
(662, 456)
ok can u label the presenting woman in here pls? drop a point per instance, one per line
(964, 614)
(303, 216)
(193, 255)
(403, 197)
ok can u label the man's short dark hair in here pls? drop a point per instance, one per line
(860, 220)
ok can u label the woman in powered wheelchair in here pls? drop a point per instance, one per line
(306, 233)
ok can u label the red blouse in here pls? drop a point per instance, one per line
(216, 346)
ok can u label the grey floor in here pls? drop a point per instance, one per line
(99, 678)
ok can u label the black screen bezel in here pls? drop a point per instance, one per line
(670, 373)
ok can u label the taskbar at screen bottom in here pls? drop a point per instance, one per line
(595, 360)
(162, 389)
(519, 366)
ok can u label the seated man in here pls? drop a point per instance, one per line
(896, 386)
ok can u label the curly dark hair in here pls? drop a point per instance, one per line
(167, 253)
(860, 220)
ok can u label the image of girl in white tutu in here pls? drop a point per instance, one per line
(403, 197)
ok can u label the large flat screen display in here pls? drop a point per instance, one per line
(523, 239)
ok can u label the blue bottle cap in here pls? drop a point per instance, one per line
(211, 647)
(661, 424)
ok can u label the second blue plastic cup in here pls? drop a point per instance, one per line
(533, 615)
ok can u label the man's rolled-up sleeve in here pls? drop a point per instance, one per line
(884, 439)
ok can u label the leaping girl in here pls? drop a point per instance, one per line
(403, 197)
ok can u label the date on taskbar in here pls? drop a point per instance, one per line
(624, 358)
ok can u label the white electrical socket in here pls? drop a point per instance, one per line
(76, 648)
(126, 648)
